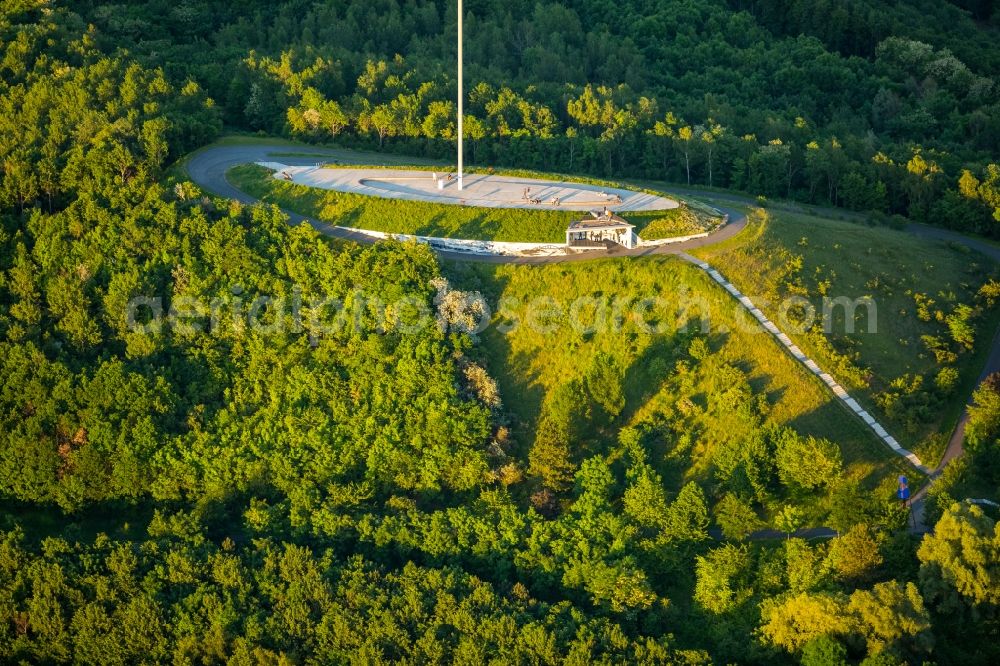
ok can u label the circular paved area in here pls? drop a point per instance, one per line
(207, 168)
(489, 191)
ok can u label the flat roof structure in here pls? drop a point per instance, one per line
(599, 221)
(601, 227)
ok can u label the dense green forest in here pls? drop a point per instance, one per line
(215, 476)
(873, 105)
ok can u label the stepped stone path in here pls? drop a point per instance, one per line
(208, 169)
(826, 378)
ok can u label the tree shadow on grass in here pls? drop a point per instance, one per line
(347, 218)
(858, 444)
(647, 373)
(519, 385)
(523, 393)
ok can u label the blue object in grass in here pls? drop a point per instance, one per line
(904, 489)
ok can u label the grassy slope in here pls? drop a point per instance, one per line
(529, 364)
(400, 216)
(428, 219)
(890, 266)
(855, 259)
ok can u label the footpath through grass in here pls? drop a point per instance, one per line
(431, 219)
(632, 318)
(932, 318)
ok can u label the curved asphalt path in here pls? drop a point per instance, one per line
(208, 168)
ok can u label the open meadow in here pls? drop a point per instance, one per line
(629, 334)
(923, 311)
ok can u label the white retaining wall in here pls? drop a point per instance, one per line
(668, 241)
(482, 247)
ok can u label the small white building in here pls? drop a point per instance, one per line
(600, 228)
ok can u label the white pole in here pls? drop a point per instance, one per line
(461, 95)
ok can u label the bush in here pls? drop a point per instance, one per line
(824, 651)
(806, 462)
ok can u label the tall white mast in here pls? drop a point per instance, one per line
(461, 95)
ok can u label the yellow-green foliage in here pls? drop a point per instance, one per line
(915, 369)
(960, 560)
(890, 615)
(664, 224)
(697, 389)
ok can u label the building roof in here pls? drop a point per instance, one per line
(600, 219)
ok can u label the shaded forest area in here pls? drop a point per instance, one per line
(298, 492)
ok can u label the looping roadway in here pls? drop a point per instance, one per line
(208, 167)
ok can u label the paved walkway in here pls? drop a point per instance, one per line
(955, 443)
(208, 168)
(812, 366)
(487, 191)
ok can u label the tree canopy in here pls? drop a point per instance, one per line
(225, 438)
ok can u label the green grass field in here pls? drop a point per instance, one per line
(915, 286)
(688, 402)
(430, 219)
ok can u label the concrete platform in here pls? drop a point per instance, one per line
(490, 191)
